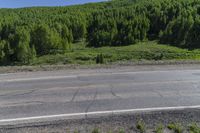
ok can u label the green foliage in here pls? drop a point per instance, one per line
(99, 59)
(114, 29)
(23, 52)
(28, 33)
(96, 130)
(177, 128)
(193, 39)
(194, 128)
(45, 40)
(159, 129)
(121, 131)
(136, 52)
(2, 51)
(76, 131)
(141, 126)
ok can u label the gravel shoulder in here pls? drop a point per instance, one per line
(112, 123)
(134, 66)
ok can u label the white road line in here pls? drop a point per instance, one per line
(114, 112)
(7, 74)
(39, 78)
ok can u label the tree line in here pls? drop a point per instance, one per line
(31, 32)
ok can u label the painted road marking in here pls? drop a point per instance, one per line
(61, 116)
(39, 78)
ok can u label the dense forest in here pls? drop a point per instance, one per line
(31, 32)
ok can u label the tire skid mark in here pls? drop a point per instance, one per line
(18, 93)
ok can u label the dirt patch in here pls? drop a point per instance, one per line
(139, 65)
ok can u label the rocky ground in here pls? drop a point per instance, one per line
(128, 123)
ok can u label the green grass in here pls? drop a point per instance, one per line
(141, 126)
(159, 128)
(121, 131)
(96, 130)
(80, 54)
(194, 128)
(176, 127)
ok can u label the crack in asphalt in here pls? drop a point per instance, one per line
(39, 102)
(92, 102)
(113, 93)
(26, 93)
(178, 93)
(20, 94)
(157, 92)
(75, 94)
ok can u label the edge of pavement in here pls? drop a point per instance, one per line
(184, 63)
(149, 115)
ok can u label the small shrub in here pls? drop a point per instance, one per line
(76, 131)
(96, 130)
(100, 59)
(177, 128)
(159, 128)
(121, 131)
(141, 126)
(194, 128)
(84, 57)
(158, 56)
(110, 131)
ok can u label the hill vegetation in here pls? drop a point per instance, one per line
(29, 33)
(142, 51)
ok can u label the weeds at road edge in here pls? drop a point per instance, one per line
(96, 130)
(194, 128)
(176, 127)
(159, 128)
(141, 126)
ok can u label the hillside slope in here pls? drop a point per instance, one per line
(31, 32)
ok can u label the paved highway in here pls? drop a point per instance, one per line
(24, 95)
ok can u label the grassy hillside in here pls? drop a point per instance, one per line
(136, 52)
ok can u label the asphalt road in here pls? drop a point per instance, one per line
(35, 94)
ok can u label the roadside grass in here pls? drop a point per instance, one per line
(176, 127)
(141, 126)
(76, 131)
(194, 128)
(159, 128)
(80, 54)
(96, 130)
(121, 131)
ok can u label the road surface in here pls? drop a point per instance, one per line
(33, 94)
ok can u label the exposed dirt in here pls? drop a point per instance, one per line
(139, 65)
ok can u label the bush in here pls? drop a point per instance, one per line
(159, 128)
(194, 128)
(100, 59)
(96, 130)
(177, 128)
(141, 126)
